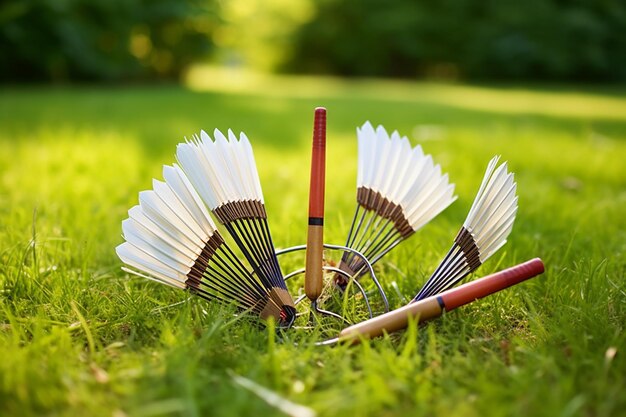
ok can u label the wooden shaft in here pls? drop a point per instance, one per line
(434, 306)
(313, 281)
(395, 320)
(313, 278)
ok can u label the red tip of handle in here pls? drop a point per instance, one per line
(318, 165)
(482, 287)
(319, 127)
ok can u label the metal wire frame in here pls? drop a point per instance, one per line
(351, 278)
(372, 235)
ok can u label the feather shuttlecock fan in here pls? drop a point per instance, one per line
(171, 238)
(399, 190)
(225, 175)
(488, 224)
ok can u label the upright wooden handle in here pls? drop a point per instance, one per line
(315, 239)
(434, 306)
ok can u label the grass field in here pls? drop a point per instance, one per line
(79, 337)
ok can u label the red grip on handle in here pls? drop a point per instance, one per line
(480, 288)
(319, 128)
(318, 165)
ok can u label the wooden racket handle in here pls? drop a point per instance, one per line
(434, 306)
(313, 278)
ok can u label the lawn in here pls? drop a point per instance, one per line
(79, 337)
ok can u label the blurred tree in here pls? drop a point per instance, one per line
(102, 39)
(139, 39)
(258, 33)
(536, 39)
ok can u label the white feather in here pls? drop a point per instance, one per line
(486, 177)
(402, 169)
(141, 237)
(222, 170)
(492, 215)
(403, 175)
(171, 200)
(167, 231)
(198, 171)
(135, 257)
(248, 168)
(164, 232)
(157, 211)
(368, 139)
(181, 186)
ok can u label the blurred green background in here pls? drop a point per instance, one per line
(113, 40)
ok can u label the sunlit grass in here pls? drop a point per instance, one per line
(555, 102)
(78, 337)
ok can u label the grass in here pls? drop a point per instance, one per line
(79, 337)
